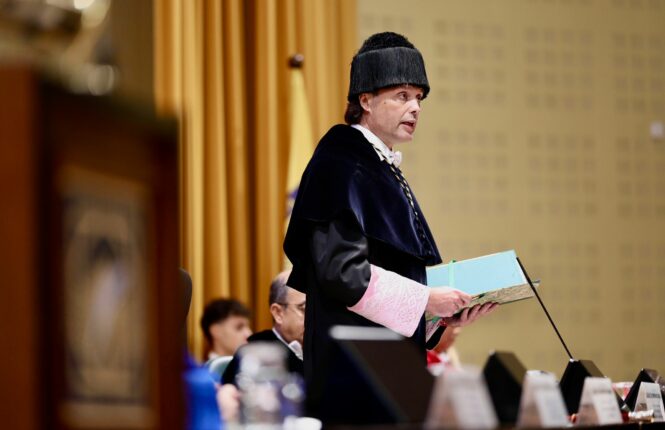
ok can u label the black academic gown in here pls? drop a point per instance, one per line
(350, 212)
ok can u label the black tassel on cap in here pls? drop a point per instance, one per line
(385, 60)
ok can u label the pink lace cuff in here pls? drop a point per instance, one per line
(393, 301)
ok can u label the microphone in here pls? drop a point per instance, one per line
(572, 380)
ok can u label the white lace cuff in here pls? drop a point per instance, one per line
(393, 301)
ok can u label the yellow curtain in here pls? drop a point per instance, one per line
(222, 68)
(301, 142)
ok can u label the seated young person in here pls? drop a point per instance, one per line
(225, 324)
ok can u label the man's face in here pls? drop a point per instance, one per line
(290, 317)
(230, 334)
(392, 113)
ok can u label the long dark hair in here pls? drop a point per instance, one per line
(354, 112)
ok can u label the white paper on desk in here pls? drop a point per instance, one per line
(460, 399)
(598, 405)
(541, 403)
(650, 397)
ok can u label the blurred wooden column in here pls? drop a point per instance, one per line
(19, 315)
(88, 342)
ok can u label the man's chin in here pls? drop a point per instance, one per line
(405, 138)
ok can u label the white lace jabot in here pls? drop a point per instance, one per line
(385, 153)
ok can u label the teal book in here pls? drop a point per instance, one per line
(490, 278)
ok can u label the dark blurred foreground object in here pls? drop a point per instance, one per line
(572, 383)
(90, 213)
(504, 374)
(185, 288)
(382, 393)
(645, 375)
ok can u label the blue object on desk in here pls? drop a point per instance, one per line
(202, 410)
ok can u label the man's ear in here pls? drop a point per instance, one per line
(365, 99)
(277, 313)
(215, 330)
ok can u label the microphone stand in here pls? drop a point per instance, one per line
(526, 275)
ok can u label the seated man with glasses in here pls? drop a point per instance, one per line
(287, 307)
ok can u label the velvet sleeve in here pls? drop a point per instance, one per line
(339, 253)
(340, 256)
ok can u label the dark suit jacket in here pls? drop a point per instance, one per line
(293, 363)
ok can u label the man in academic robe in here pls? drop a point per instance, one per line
(357, 238)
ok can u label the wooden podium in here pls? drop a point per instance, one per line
(90, 311)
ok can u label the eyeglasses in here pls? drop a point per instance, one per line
(300, 307)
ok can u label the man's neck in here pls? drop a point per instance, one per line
(296, 349)
(382, 150)
(220, 351)
(363, 123)
(278, 333)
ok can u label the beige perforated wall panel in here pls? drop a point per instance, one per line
(536, 136)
